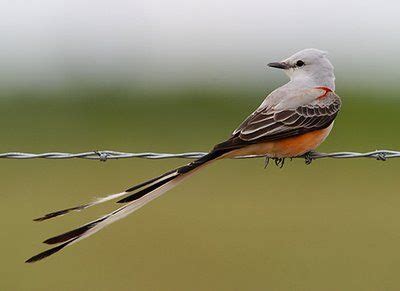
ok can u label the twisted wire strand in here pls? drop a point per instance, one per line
(105, 155)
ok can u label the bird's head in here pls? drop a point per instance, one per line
(310, 64)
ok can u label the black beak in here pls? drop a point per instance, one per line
(279, 65)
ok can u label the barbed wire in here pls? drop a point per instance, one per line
(105, 155)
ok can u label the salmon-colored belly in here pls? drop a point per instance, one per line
(287, 147)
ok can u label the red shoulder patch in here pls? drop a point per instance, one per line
(326, 89)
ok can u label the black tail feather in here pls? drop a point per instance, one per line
(61, 212)
(48, 252)
(75, 233)
(144, 191)
(148, 182)
(180, 171)
(84, 206)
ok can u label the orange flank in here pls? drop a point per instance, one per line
(287, 147)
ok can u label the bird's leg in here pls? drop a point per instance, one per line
(266, 162)
(308, 157)
(279, 162)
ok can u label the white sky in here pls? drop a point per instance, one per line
(51, 41)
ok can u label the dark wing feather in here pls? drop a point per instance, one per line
(269, 124)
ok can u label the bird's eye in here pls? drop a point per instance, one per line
(300, 63)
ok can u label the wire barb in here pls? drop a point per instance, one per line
(103, 155)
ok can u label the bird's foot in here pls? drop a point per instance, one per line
(279, 162)
(308, 157)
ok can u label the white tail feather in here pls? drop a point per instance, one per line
(135, 205)
(130, 208)
(106, 198)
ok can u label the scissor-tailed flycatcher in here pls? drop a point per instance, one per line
(293, 120)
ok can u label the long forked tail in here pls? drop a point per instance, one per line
(149, 190)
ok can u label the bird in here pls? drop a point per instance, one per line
(292, 121)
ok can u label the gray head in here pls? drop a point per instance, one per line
(310, 66)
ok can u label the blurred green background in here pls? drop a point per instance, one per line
(177, 76)
(333, 225)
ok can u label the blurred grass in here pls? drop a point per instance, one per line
(334, 225)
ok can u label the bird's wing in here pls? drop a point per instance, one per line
(315, 111)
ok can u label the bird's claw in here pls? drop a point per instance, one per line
(279, 162)
(308, 158)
